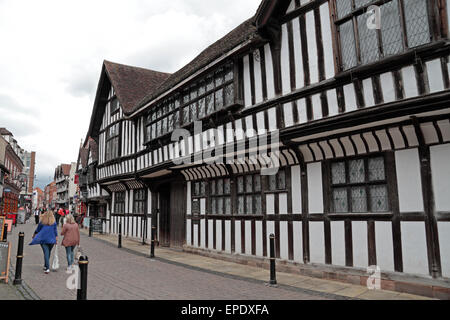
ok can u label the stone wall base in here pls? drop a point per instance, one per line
(393, 281)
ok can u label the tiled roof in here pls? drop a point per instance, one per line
(65, 169)
(132, 83)
(5, 132)
(94, 149)
(245, 31)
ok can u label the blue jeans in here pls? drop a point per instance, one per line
(69, 253)
(47, 249)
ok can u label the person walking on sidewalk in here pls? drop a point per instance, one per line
(46, 235)
(71, 239)
(36, 215)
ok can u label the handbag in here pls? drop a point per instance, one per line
(78, 253)
(55, 263)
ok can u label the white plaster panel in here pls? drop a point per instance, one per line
(316, 106)
(337, 243)
(359, 242)
(202, 233)
(435, 79)
(237, 235)
(312, 47)
(259, 238)
(258, 77)
(298, 241)
(384, 245)
(350, 98)
(299, 74)
(269, 72)
(296, 189)
(408, 180)
(195, 226)
(440, 171)
(414, 248)
(247, 86)
(210, 234)
(285, 68)
(444, 246)
(218, 235)
(369, 99)
(327, 42)
(333, 107)
(288, 117)
(283, 203)
(284, 250)
(270, 203)
(317, 242)
(248, 237)
(387, 86)
(315, 191)
(409, 82)
(228, 236)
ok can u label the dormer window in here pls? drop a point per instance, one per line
(114, 105)
(404, 25)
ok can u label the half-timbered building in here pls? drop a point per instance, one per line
(355, 119)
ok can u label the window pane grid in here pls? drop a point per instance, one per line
(393, 38)
(359, 186)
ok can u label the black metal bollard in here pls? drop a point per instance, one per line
(82, 288)
(5, 233)
(152, 246)
(273, 277)
(90, 227)
(18, 275)
(120, 235)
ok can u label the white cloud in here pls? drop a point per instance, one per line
(52, 51)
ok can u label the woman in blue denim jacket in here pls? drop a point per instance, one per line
(46, 235)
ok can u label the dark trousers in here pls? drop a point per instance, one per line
(57, 216)
(36, 219)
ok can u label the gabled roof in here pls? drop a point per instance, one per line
(244, 32)
(66, 169)
(5, 132)
(131, 84)
(93, 149)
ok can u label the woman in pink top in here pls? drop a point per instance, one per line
(71, 239)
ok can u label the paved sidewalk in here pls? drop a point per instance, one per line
(123, 274)
(250, 273)
(9, 292)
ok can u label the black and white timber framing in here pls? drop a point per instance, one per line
(364, 151)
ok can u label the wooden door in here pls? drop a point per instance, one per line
(177, 214)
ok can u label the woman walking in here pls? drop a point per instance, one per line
(71, 239)
(46, 235)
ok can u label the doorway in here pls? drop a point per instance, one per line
(172, 220)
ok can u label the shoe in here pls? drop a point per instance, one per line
(69, 270)
(47, 271)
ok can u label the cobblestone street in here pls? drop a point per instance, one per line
(120, 275)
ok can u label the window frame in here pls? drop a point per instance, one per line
(119, 202)
(253, 194)
(367, 184)
(142, 201)
(110, 102)
(162, 111)
(108, 139)
(353, 16)
(223, 196)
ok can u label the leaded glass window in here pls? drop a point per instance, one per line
(220, 195)
(198, 193)
(360, 44)
(119, 202)
(249, 194)
(277, 182)
(359, 185)
(197, 101)
(140, 199)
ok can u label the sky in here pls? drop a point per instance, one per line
(51, 54)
